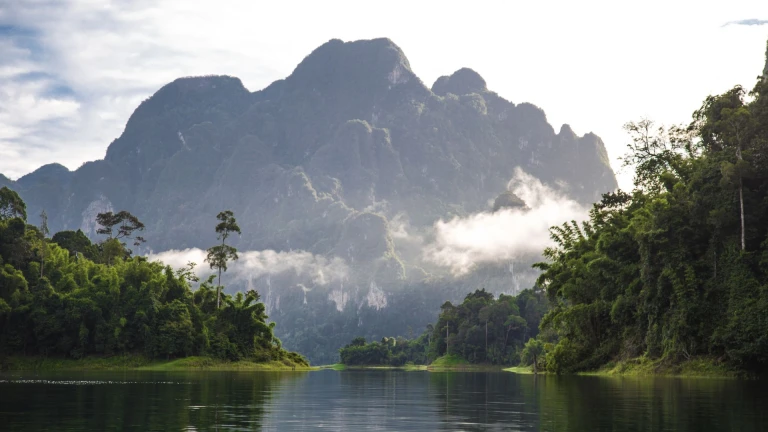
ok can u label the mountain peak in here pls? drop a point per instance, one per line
(336, 63)
(463, 81)
(53, 171)
(566, 131)
(206, 89)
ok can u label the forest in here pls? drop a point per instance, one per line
(481, 329)
(677, 269)
(673, 271)
(67, 297)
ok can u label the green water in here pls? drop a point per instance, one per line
(374, 400)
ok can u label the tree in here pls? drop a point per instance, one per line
(76, 242)
(219, 255)
(117, 226)
(532, 351)
(125, 223)
(724, 122)
(188, 272)
(655, 151)
(11, 205)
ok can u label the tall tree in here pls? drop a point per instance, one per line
(220, 255)
(724, 123)
(120, 225)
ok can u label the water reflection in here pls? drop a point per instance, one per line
(147, 401)
(376, 400)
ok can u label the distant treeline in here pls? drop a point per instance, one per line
(68, 297)
(482, 329)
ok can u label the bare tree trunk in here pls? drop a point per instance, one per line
(741, 195)
(741, 206)
(218, 291)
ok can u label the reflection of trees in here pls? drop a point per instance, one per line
(502, 401)
(151, 401)
(485, 401)
(355, 400)
(650, 404)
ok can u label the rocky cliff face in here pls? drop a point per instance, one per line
(322, 161)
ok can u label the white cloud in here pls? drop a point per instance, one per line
(252, 265)
(461, 244)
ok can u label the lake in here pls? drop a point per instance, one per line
(374, 400)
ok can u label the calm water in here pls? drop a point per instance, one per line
(373, 400)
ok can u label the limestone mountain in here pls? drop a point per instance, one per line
(322, 161)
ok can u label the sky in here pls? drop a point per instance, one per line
(72, 72)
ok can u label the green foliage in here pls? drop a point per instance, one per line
(481, 329)
(219, 255)
(120, 225)
(11, 205)
(76, 242)
(486, 330)
(75, 308)
(677, 270)
(389, 352)
(532, 353)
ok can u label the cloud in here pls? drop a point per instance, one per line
(73, 71)
(461, 244)
(313, 270)
(747, 22)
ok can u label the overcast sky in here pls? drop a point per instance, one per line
(71, 72)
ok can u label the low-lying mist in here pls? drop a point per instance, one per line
(462, 244)
(494, 249)
(252, 265)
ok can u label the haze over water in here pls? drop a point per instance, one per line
(374, 400)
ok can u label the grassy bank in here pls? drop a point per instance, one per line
(442, 364)
(454, 363)
(136, 362)
(694, 368)
(341, 367)
(523, 370)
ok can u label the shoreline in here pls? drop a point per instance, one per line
(694, 368)
(141, 363)
(646, 368)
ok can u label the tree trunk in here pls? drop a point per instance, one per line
(447, 344)
(486, 340)
(741, 208)
(506, 337)
(741, 198)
